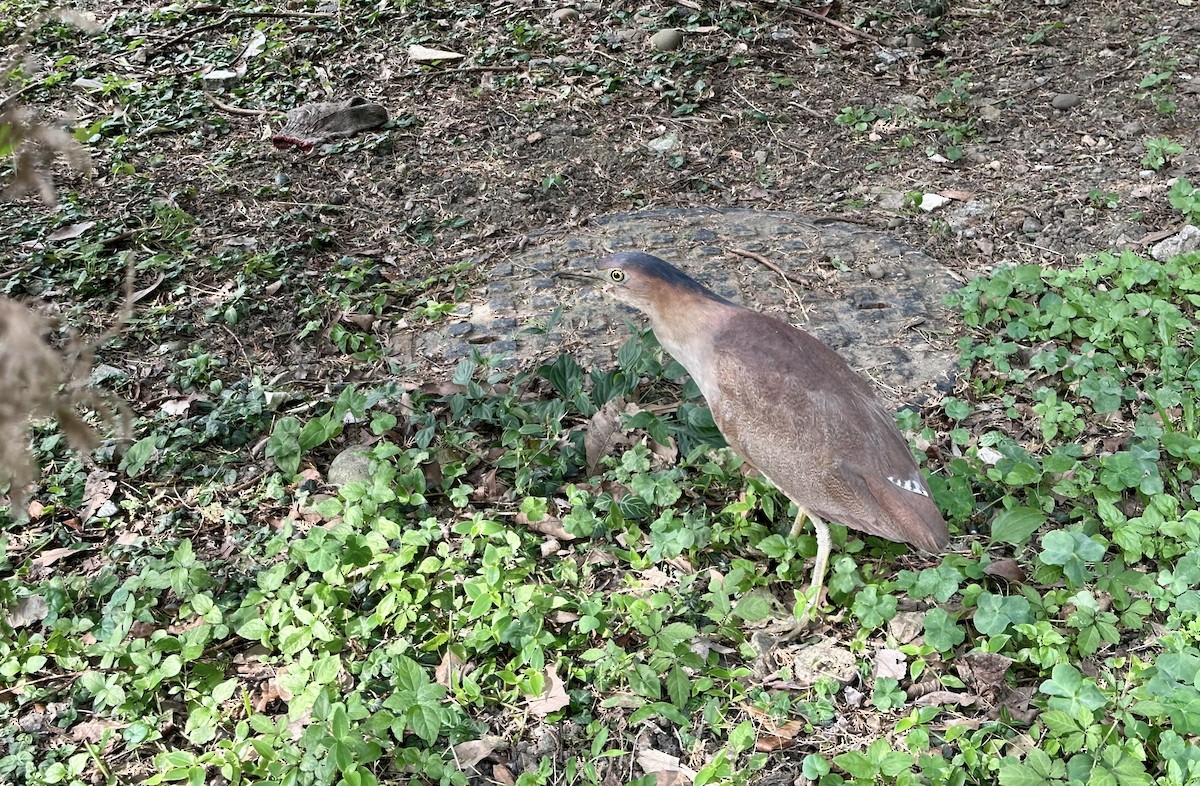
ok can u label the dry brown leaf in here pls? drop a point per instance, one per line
(489, 488)
(35, 510)
(603, 433)
(71, 231)
(178, 406)
(906, 626)
(1007, 569)
(97, 490)
(93, 730)
(471, 752)
(890, 664)
(449, 670)
(958, 194)
(51, 556)
(945, 697)
(503, 775)
(668, 454)
(27, 610)
(548, 525)
(666, 768)
(555, 696)
(773, 735)
(778, 738)
(424, 54)
(984, 670)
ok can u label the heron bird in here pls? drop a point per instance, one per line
(790, 406)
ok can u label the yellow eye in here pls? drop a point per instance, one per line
(617, 275)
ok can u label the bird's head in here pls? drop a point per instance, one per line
(644, 282)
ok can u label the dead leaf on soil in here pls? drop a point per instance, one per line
(296, 728)
(424, 54)
(35, 510)
(502, 775)
(27, 610)
(92, 731)
(657, 761)
(1006, 569)
(554, 698)
(51, 556)
(773, 736)
(561, 617)
(178, 406)
(1015, 701)
(548, 525)
(489, 488)
(72, 231)
(783, 736)
(97, 490)
(653, 578)
(668, 454)
(984, 670)
(665, 767)
(945, 697)
(471, 752)
(890, 664)
(449, 670)
(906, 626)
(603, 433)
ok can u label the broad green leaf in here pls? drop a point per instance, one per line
(1015, 525)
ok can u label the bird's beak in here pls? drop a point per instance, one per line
(579, 275)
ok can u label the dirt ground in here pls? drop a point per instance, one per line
(1032, 118)
(1030, 121)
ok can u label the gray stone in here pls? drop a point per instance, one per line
(350, 465)
(1065, 101)
(667, 40)
(1186, 241)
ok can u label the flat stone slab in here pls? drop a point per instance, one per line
(876, 301)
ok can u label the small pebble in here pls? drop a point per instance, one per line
(666, 40)
(1031, 226)
(1065, 101)
(875, 271)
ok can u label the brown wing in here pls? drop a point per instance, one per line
(807, 421)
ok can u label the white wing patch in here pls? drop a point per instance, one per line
(910, 484)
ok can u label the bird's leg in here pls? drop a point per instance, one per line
(812, 596)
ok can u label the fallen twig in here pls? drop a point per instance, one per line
(236, 15)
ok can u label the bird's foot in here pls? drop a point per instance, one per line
(805, 612)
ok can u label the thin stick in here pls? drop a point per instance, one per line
(238, 15)
(813, 15)
(759, 258)
(234, 110)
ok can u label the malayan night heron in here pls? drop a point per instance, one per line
(790, 406)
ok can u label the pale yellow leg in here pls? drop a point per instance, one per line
(812, 595)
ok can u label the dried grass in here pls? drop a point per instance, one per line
(33, 142)
(39, 381)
